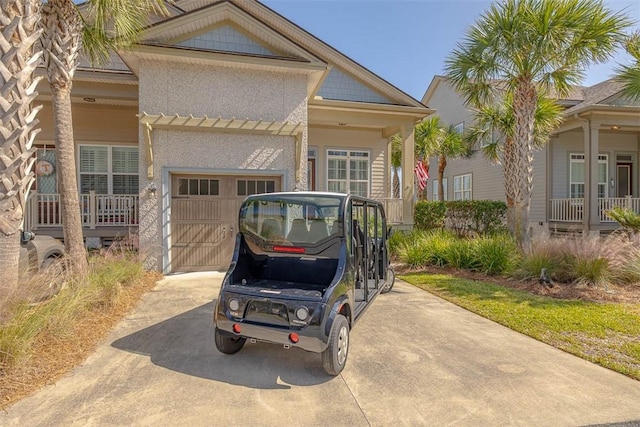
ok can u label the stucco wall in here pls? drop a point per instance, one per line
(175, 88)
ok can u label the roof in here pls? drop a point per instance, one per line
(290, 43)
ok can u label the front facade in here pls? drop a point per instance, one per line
(589, 166)
(220, 100)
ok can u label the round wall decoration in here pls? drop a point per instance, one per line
(44, 168)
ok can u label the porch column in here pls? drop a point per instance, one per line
(591, 214)
(388, 169)
(408, 160)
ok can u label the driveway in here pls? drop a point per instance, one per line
(415, 360)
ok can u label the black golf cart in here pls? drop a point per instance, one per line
(305, 267)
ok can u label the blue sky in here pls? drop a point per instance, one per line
(406, 41)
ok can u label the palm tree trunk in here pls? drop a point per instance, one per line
(61, 32)
(68, 184)
(524, 101)
(19, 32)
(442, 164)
(509, 165)
(396, 184)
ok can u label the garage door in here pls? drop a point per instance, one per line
(204, 216)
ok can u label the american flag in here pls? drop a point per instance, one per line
(422, 175)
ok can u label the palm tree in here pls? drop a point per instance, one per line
(19, 32)
(396, 164)
(494, 129)
(103, 27)
(531, 46)
(434, 138)
(629, 75)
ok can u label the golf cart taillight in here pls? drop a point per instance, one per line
(236, 328)
(289, 249)
(294, 338)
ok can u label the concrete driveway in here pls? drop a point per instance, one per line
(415, 360)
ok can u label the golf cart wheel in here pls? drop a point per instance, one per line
(391, 278)
(227, 344)
(334, 358)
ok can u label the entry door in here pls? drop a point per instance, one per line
(623, 173)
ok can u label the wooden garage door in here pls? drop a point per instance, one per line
(204, 216)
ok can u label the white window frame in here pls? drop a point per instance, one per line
(434, 189)
(110, 174)
(579, 158)
(348, 156)
(463, 193)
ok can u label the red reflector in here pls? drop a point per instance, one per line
(293, 337)
(289, 249)
(236, 328)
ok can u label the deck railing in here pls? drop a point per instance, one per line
(96, 210)
(572, 210)
(392, 209)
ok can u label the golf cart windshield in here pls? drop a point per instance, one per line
(304, 219)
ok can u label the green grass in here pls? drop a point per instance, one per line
(606, 334)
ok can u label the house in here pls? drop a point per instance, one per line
(589, 166)
(219, 100)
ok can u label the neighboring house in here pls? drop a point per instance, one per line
(590, 165)
(220, 100)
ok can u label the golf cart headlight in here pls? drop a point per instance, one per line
(234, 305)
(302, 313)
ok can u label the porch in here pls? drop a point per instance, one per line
(111, 211)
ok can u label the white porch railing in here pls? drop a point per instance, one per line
(392, 209)
(96, 210)
(571, 210)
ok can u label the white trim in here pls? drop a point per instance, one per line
(348, 158)
(463, 190)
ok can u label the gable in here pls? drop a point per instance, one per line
(340, 86)
(227, 39)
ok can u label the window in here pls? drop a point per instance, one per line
(576, 176)
(348, 172)
(459, 128)
(108, 169)
(198, 187)
(435, 189)
(462, 187)
(247, 187)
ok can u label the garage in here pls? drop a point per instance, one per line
(204, 215)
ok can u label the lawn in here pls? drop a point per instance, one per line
(605, 333)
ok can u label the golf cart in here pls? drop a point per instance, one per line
(306, 265)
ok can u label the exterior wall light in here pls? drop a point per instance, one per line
(153, 190)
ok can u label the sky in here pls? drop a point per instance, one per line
(406, 42)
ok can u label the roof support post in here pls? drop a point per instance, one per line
(301, 155)
(408, 189)
(148, 144)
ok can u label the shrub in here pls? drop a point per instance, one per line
(627, 218)
(495, 254)
(544, 252)
(463, 217)
(459, 254)
(429, 215)
(423, 248)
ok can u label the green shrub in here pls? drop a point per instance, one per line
(495, 254)
(544, 252)
(627, 218)
(459, 254)
(429, 215)
(463, 217)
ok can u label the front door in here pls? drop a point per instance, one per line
(623, 173)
